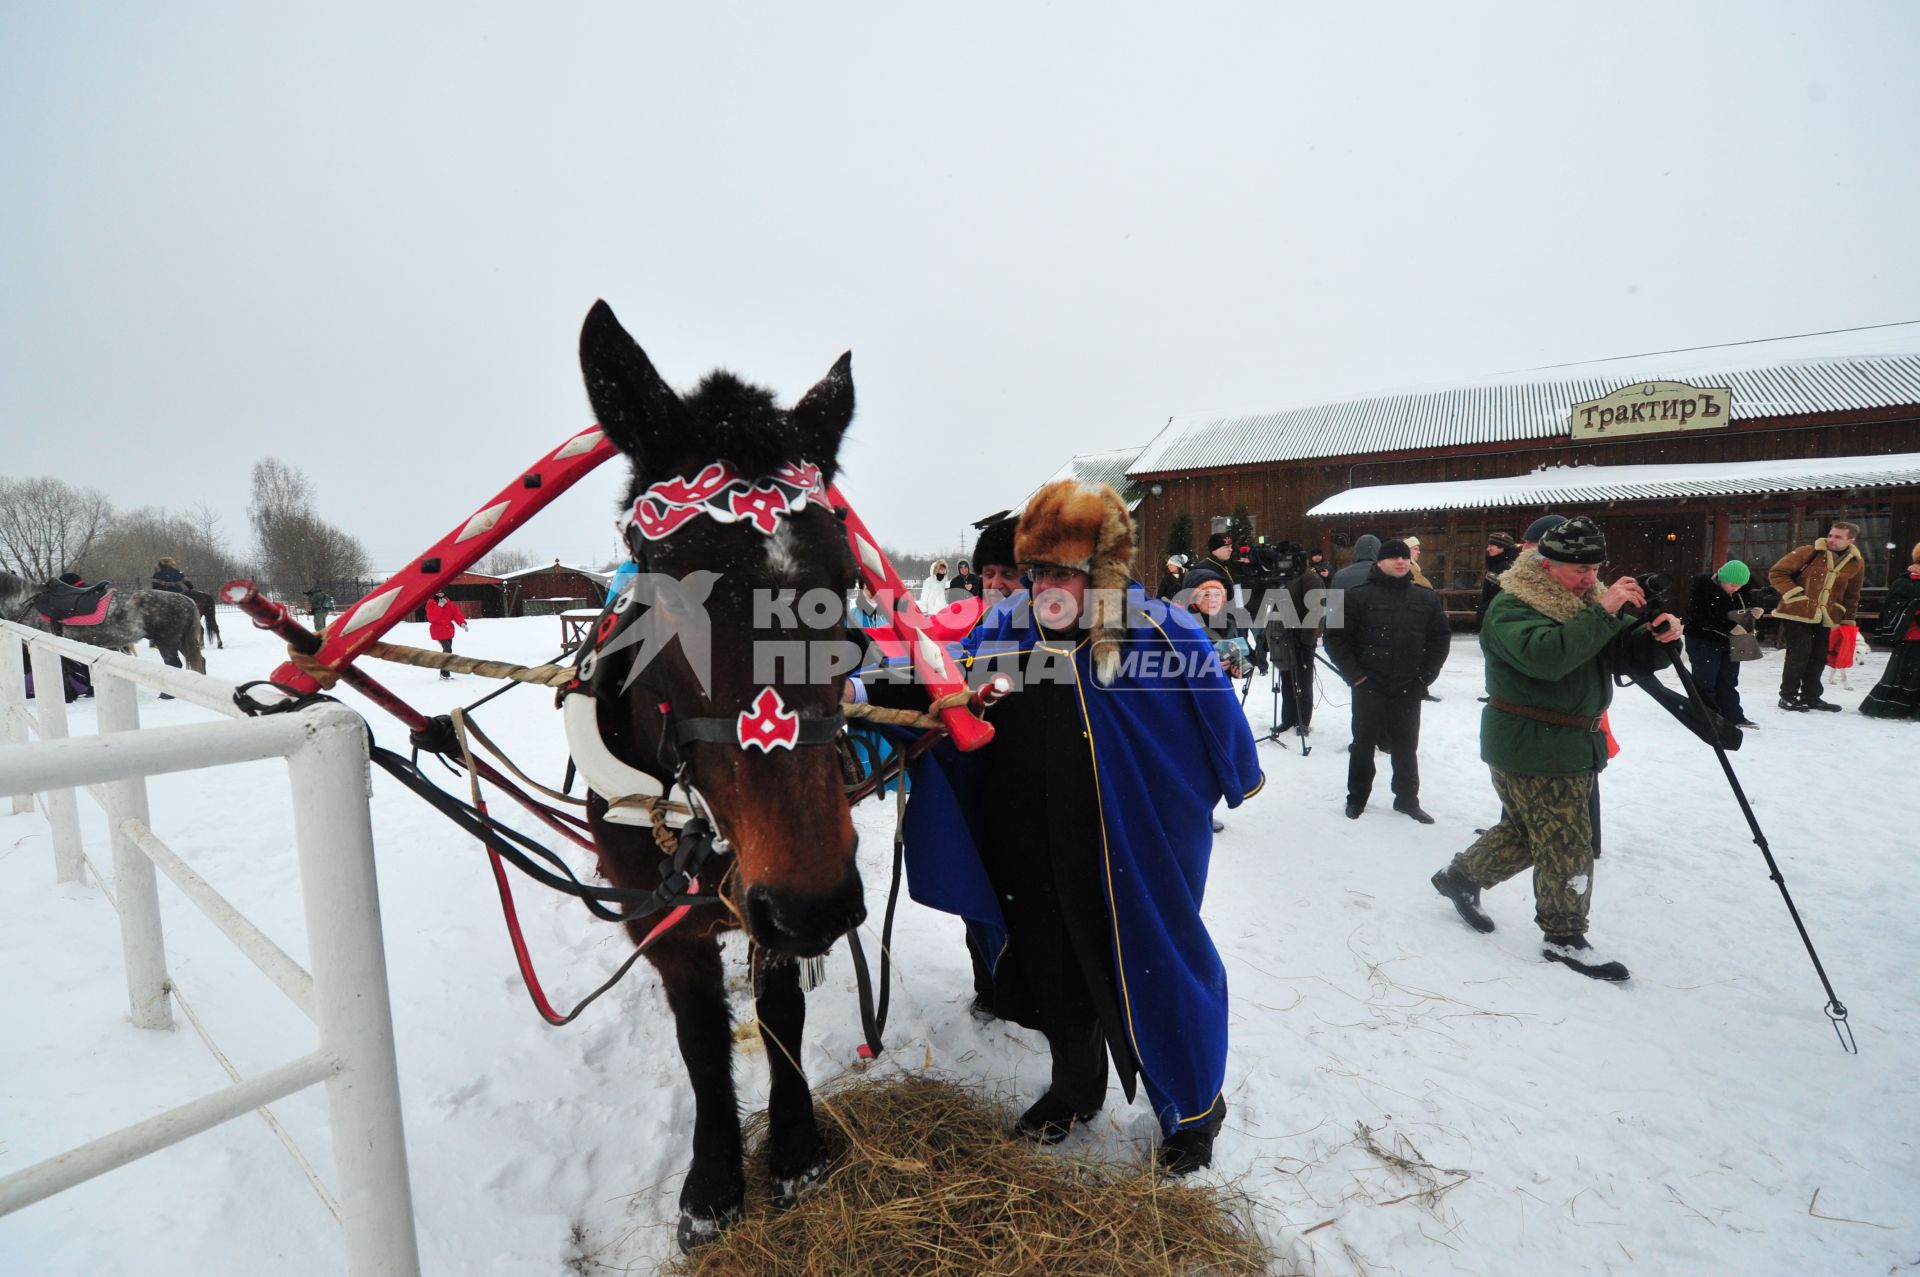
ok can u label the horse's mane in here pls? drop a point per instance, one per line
(735, 421)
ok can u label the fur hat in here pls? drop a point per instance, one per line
(995, 544)
(939, 565)
(1578, 540)
(1394, 549)
(1070, 524)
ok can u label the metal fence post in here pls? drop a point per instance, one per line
(335, 838)
(13, 705)
(141, 938)
(63, 810)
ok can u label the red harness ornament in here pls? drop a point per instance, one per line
(768, 724)
(721, 493)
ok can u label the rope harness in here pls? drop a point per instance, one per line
(684, 832)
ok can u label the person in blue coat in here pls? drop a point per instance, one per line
(1076, 843)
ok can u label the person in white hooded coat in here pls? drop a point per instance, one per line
(933, 591)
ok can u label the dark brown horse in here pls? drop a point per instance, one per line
(204, 601)
(791, 882)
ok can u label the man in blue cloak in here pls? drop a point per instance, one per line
(1076, 843)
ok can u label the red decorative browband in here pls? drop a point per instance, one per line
(722, 493)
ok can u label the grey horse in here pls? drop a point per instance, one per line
(167, 620)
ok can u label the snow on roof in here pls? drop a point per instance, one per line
(1574, 485)
(1109, 467)
(595, 573)
(1834, 372)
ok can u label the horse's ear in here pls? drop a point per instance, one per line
(823, 414)
(633, 405)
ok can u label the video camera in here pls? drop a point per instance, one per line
(1271, 564)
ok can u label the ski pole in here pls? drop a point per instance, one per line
(1835, 1009)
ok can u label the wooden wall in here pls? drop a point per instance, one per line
(1278, 495)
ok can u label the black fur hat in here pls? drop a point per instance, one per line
(995, 544)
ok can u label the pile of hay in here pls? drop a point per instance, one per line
(928, 1182)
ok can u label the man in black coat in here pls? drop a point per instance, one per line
(1502, 551)
(1292, 648)
(1390, 645)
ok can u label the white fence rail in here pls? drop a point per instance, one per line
(345, 995)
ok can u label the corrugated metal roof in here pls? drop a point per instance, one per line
(1768, 379)
(1584, 485)
(1108, 467)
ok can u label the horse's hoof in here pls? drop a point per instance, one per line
(785, 1194)
(700, 1230)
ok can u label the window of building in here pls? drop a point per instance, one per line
(1876, 525)
(1758, 538)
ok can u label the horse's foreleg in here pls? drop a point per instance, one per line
(796, 1156)
(715, 1187)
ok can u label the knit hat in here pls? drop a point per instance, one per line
(1575, 540)
(995, 544)
(1394, 549)
(1502, 539)
(1071, 524)
(1734, 572)
(1201, 576)
(1542, 525)
(1217, 540)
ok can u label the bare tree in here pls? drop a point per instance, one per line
(503, 560)
(296, 548)
(128, 550)
(47, 526)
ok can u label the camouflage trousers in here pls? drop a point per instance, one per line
(1545, 822)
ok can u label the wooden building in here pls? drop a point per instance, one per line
(1806, 430)
(543, 591)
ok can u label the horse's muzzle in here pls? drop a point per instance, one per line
(802, 925)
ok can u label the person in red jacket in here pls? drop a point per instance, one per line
(442, 615)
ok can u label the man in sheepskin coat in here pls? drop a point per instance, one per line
(1076, 842)
(1819, 588)
(1552, 640)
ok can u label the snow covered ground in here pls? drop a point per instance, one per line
(1683, 1123)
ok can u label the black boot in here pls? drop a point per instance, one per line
(1456, 886)
(1191, 1147)
(1050, 1120)
(1414, 810)
(1575, 952)
(1355, 807)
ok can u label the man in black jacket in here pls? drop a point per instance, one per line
(1390, 645)
(1501, 554)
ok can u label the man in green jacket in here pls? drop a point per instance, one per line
(1552, 638)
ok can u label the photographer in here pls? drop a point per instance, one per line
(1206, 597)
(1268, 568)
(1552, 640)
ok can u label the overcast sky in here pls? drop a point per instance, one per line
(362, 237)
